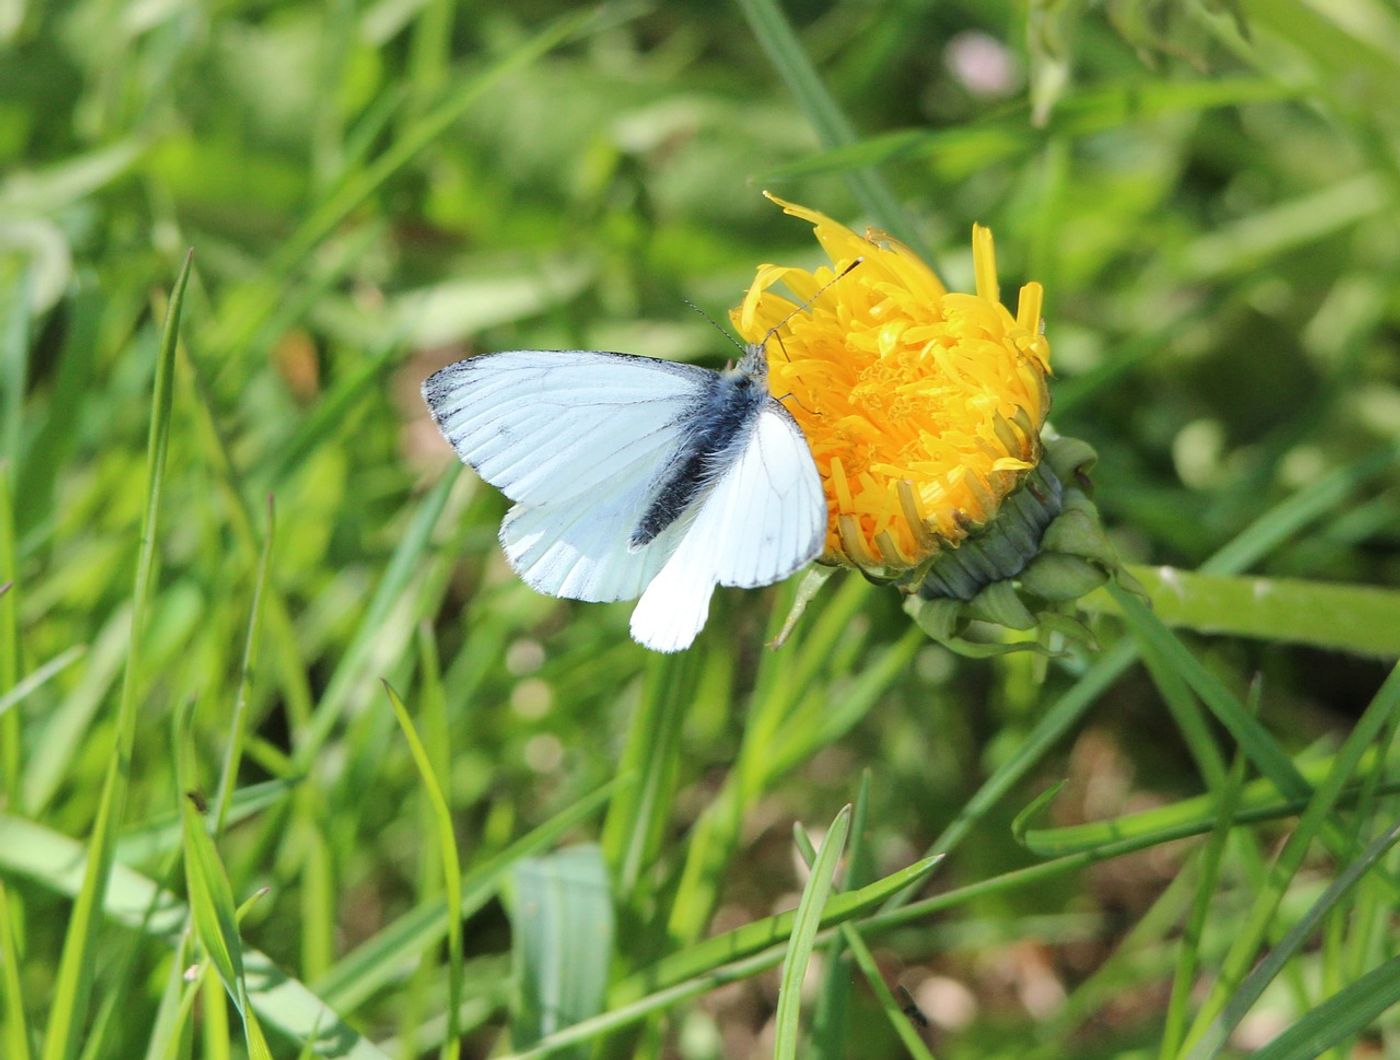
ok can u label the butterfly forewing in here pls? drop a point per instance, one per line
(546, 427)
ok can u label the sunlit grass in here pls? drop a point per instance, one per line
(215, 827)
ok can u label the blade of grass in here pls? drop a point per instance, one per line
(1177, 820)
(14, 367)
(374, 962)
(1361, 619)
(451, 868)
(1208, 874)
(562, 937)
(850, 938)
(57, 863)
(804, 935)
(703, 957)
(1312, 824)
(73, 982)
(1339, 1017)
(16, 1036)
(238, 723)
(775, 35)
(830, 1020)
(40, 677)
(1242, 999)
(212, 908)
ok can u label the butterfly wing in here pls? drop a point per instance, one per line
(763, 518)
(579, 439)
(547, 426)
(582, 550)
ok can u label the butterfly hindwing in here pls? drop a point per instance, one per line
(763, 518)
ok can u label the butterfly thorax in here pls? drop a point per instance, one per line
(720, 418)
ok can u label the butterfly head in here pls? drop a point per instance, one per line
(754, 363)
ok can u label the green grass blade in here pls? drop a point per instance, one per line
(368, 967)
(1339, 1017)
(704, 957)
(56, 863)
(210, 893)
(252, 305)
(1208, 874)
(40, 677)
(1259, 801)
(16, 1032)
(238, 723)
(889, 1004)
(1316, 818)
(1249, 991)
(398, 576)
(805, 923)
(451, 867)
(788, 57)
(562, 936)
(212, 909)
(830, 1019)
(14, 370)
(850, 938)
(68, 1005)
(637, 818)
(1361, 619)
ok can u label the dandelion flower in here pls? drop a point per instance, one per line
(924, 410)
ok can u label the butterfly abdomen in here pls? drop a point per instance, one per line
(723, 416)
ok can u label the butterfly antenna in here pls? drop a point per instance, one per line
(713, 324)
(771, 332)
(805, 305)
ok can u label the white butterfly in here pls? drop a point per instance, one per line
(637, 477)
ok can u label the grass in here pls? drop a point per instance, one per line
(226, 528)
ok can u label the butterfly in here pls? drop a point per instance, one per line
(637, 477)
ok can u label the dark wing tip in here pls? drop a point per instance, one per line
(436, 386)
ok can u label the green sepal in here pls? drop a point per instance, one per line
(999, 603)
(1059, 578)
(1071, 459)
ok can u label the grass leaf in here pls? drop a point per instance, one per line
(805, 923)
(68, 1005)
(451, 867)
(562, 932)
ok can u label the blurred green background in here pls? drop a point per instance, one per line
(1208, 191)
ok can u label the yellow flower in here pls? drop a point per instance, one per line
(923, 407)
